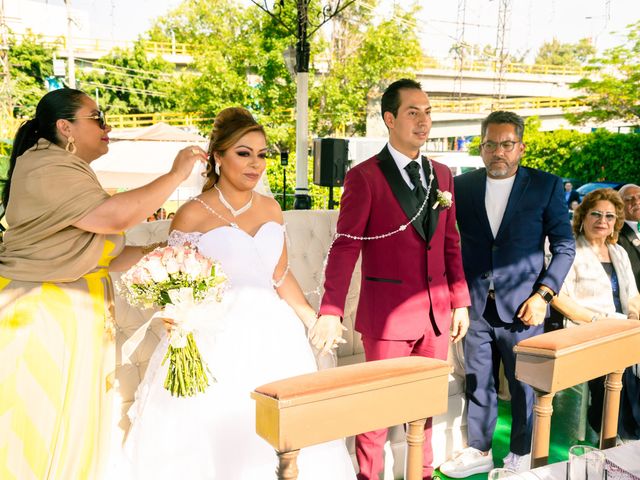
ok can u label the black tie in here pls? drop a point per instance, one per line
(413, 169)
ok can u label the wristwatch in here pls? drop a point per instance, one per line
(546, 295)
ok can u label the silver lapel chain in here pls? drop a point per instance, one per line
(401, 228)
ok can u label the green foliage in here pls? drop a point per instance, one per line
(128, 82)
(608, 156)
(614, 90)
(223, 38)
(486, 53)
(319, 195)
(474, 146)
(600, 155)
(565, 54)
(554, 151)
(30, 63)
(368, 59)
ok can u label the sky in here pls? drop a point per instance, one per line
(532, 22)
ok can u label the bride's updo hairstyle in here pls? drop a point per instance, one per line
(230, 125)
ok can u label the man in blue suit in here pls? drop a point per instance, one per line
(505, 213)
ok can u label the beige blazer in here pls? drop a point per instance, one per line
(588, 284)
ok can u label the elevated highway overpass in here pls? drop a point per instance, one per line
(541, 90)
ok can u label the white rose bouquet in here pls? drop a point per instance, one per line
(178, 279)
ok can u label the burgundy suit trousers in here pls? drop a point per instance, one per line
(370, 445)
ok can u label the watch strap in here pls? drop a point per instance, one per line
(546, 295)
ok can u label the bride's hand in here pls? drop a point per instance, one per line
(326, 333)
(168, 323)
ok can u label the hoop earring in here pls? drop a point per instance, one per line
(217, 169)
(71, 146)
(207, 170)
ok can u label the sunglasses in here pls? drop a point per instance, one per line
(608, 216)
(98, 117)
(507, 146)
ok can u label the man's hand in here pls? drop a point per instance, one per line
(327, 333)
(533, 310)
(459, 323)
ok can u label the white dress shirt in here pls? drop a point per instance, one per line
(495, 200)
(402, 161)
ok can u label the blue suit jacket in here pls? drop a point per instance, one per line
(515, 258)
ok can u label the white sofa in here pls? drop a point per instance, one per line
(310, 234)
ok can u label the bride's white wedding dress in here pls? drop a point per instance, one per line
(252, 338)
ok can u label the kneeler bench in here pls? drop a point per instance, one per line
(561, 359)
(330, 404)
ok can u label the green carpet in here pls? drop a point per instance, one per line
(564, 428)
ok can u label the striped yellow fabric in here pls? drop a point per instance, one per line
(54, 362)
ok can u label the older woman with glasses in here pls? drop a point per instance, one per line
(601, 284)
(65, 232)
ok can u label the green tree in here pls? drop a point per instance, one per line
(613, 91)
(128, 82)
(30, 63)
(607, 156)
(486, 53)
(225, 41)
(553, 151)
(375, 55)
(565, 54)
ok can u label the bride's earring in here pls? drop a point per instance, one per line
(207, 170)
(71, 145)
(217, 169)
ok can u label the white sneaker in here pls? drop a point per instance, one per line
(466, 462)
(517, 463)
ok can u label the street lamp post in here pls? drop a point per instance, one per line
(302, 34)
(70, 55)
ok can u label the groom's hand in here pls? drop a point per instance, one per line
(459, 323)
(326, 333)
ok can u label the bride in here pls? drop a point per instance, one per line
(255, 336)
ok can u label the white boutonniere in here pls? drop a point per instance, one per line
(443, 199)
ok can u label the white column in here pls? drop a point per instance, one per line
(302, 133)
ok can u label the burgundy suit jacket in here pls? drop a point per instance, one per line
(405, 275)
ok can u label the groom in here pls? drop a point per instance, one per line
(413, 294)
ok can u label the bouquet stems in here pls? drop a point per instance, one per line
(187, 374)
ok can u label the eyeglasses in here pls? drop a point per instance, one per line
(608, 216)
(507, 146)
(99, 117)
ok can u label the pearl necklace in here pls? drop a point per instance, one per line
(233, 211)
(213, 212)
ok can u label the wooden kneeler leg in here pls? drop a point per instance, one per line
(287, 466)
(610, 409)
(542, 411)
(415, 441)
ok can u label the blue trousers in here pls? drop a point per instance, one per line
(488, 341)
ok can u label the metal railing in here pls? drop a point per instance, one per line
(104, 46)
(148, 119)
(493, 66)
(481, 105)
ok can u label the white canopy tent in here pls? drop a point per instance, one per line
(139, 155)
